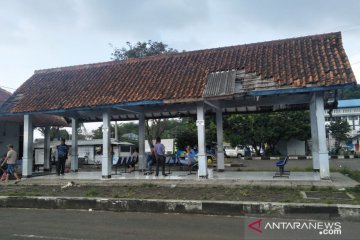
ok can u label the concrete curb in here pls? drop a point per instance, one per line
(265, 209)
(297, 157)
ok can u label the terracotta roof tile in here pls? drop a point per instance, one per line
(318, 60)
(4, 95)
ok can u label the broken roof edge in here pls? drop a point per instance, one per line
(85, 108)
(299, 90)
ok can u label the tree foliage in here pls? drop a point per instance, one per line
(154, 127)
(186, 133)
(266, 128)
(140, 50)
(340, 131)
(55, 133)
(123, 128)
(350, 93)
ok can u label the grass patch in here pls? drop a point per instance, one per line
(354, 174)
(116, 195)
(300, 169)
(91, 193)
(148, 185)
(24, 194)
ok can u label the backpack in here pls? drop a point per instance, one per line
(62, 151)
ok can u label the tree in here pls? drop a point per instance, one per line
(266, 128)
(153, 128)
(140, 50)
(55, 133)
(123, 128)
(186, 133)
(339, 130)
(350, 93)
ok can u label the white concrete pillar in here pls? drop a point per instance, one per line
(220, 144)
(142, 160)
(47, 149)
(314, 135)
(106, 159)
(318, 135)
(200, 123)
(116, 131)
(28, 147)
(74, 145)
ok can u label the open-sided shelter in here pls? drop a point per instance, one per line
(267, 76)
(11, 128)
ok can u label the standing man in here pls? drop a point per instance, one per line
(10, 159)
(160, 156)
(62, 152)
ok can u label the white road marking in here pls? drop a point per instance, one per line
(44, 237)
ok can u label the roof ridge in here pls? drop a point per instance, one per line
(75, 67)
(5, 91)
(178, 54)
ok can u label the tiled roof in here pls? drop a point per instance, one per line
(41, 120)
(38, 121)
(318, 60)
(4, 95)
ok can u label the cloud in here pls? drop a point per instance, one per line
(141, 18)
(44, 33)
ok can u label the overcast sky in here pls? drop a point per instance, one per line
(40, 34)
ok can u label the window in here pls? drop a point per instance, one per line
(125, 148)
(353, 118)
(98, 149)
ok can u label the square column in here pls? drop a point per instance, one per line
(318, 135)
(27, 163)
(220, 140)
(47, 149)
(74, 145)
(200, 123)
(106, 159)
(142, 160)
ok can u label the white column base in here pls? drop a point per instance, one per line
(324, 163)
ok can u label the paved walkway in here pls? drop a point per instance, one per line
(299, 165)
(261, 178)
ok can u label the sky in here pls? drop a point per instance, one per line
(41, 34)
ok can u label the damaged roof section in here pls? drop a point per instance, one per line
(232, 82)
(220, 84)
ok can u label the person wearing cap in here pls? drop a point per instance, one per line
(10, 159)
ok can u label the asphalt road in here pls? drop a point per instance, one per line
(78, 225)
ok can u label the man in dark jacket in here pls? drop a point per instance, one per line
(62, 152)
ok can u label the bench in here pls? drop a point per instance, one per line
(281, 165)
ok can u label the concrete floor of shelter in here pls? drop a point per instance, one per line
(261, 178)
